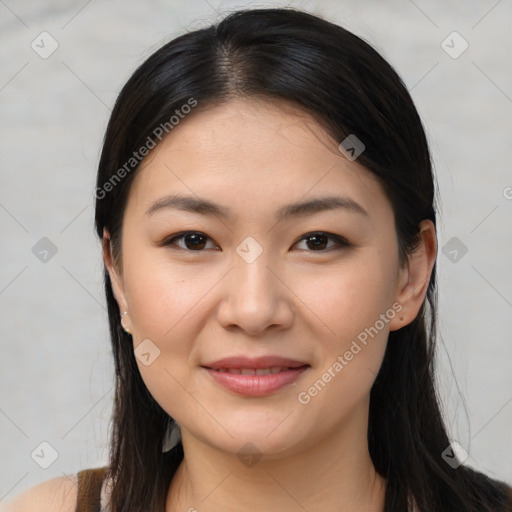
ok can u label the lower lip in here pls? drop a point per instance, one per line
(256, 385)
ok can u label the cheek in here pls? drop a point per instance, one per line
(162, 296)
(167, 306)
(168, 385)
(353, 306)
(348, 298)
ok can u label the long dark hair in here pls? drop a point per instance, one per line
(339, 79)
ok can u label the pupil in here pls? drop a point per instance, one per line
(193, 241)
(317, 245)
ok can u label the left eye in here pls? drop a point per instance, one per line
(315, 242)
(320, 241)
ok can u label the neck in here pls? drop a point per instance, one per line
(333, 475)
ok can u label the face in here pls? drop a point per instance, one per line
(262, 317)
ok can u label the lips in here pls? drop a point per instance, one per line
(252, 371)
(258, 363)
(255, 377)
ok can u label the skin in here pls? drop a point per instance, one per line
(294, 300)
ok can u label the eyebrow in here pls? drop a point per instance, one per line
(299, 209)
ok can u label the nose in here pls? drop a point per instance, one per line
(255, 298)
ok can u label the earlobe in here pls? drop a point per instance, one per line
(123, 322)
(414, 279)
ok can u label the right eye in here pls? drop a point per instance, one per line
(190, 241)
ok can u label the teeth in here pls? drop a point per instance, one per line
(251, 371)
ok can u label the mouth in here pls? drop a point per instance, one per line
(252, 371)
(255, 377)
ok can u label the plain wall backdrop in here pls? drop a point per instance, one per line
(55, 362)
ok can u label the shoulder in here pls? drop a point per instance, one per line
(508, 490)
(55, 495)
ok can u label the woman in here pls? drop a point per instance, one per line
(265, 201)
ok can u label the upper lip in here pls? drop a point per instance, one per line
(254, 363)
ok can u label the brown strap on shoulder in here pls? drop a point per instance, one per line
(89, 489)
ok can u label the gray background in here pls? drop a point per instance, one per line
(56, 371)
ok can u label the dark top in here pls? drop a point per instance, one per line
(91, 480)
(89, 489)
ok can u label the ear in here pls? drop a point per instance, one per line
(413, 280)
(115, 273)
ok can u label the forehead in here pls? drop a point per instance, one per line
(249, 153)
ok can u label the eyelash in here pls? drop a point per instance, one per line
(340, 241)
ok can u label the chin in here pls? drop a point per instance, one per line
(263, 434)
